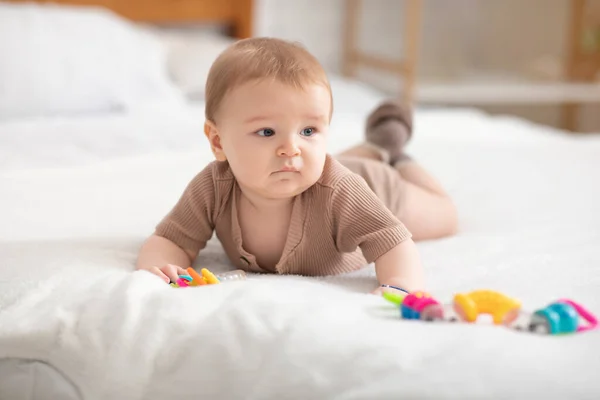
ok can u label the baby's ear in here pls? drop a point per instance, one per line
(212, 133)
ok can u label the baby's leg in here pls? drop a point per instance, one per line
(426, 210)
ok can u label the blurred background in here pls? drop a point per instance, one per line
(535, 59)
(538, 59)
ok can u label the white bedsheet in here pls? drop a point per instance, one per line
(528, 199)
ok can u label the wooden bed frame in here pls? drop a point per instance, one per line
(235, 14)
(580, 66)
(405, 66)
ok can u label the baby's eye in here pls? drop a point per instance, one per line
(266, 132)
(308, 131)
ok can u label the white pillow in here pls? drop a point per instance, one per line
(191, 53)
(71, 60)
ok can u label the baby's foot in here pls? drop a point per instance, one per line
(389, 127)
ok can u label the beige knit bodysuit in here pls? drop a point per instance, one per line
(346, 219)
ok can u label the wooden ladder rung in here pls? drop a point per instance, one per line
(397, 66)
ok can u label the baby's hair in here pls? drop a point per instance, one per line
(261, 58)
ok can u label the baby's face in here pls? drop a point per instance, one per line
(274, 136)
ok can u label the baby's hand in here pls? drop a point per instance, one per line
(169, 272)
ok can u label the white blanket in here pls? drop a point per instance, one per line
(528, 199)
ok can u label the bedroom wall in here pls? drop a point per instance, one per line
(509, 36)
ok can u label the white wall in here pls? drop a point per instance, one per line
(315, 23)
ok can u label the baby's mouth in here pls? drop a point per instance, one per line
(288, 168)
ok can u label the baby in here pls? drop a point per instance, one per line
(277, 201)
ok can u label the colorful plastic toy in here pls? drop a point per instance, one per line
(471, 305)
(560, 317)
(207, 278)
(413, 304)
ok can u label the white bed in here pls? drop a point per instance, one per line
(78, 195)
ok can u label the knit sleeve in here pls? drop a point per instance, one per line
(360, 219)
(190, 223)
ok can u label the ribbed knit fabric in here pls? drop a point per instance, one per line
(338, 225)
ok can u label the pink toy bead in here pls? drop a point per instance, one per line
(418, 301)
(182, 282)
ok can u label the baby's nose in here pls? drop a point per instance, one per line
(289, 148)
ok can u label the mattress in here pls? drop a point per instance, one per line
(70, 302)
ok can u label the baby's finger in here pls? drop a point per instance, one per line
(158, 272)
(182, 271)
(172, 271)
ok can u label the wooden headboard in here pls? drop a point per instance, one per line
(236, 14)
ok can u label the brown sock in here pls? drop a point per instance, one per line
(390, 127)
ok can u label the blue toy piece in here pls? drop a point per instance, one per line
(558, 317)
(409, 313)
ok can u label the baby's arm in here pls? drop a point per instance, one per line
(183, 232)
(401, 267)
(163, 258)
(361, 219)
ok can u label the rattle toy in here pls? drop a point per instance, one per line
(470, 305)
(560, 317)
(205, 277)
